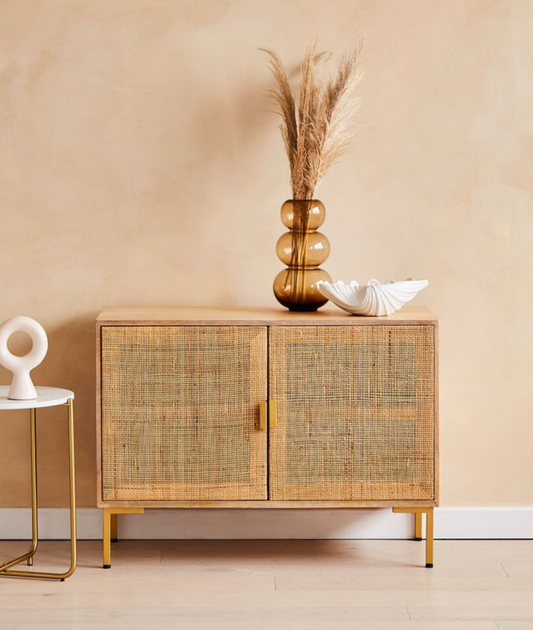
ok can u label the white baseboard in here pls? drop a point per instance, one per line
(458, 523)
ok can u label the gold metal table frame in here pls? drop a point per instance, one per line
(5, 569)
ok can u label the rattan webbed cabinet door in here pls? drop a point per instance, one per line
(355, 413)
(180, 413)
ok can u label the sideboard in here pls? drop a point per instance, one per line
(264, 408)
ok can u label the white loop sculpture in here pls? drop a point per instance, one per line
(22, 387)
(373, 299)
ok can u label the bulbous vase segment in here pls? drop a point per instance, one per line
(298, 214)
(302, 249)
(296, 288)
(318, 248)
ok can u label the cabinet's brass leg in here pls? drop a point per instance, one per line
(107, 539)
(418, 526)
(110, 530)
(72, 481)
(429, 538)
(114, 528)
(418, 511)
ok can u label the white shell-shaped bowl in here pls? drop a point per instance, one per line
(372, 299)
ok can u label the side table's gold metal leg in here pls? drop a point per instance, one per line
(72, 488)
(418, 526)
(110, 530)
(34, 502)
(418, 511)
(34, 535)
(72, 483)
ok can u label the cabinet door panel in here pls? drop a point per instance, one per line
(180, 413)
(355, 409)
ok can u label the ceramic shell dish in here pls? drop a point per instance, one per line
(372, 299)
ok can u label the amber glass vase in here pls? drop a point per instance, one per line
(302, 249)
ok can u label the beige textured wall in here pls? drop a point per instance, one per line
(138, 168)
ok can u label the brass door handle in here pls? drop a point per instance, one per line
(263, 416)
(272, 414)
(268, 413)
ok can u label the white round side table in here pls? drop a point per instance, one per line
(46, 397)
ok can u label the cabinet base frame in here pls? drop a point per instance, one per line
(418, 511)
(110, 533)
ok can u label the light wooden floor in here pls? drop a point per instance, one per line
(370, 585)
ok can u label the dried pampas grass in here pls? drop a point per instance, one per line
(318, 131)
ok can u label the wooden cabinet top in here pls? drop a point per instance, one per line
(255, 316)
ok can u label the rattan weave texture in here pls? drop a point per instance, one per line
(355, 413)
(180, 413)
